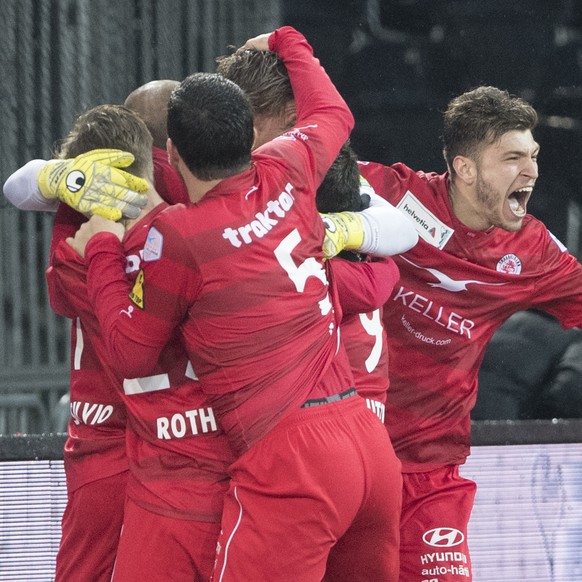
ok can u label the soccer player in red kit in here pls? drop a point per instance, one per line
(110, 191)
(240, 273)
(480, 259)
(363, 333)
(95, 461)
(96, 465)
(178, 456)
(264, 79)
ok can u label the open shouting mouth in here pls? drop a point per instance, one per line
(518, 201)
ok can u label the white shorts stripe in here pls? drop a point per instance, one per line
(231, 536)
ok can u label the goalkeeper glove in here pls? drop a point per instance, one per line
(92, 183)
(343, 231)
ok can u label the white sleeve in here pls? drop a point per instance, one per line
(375, 199)
(387, 231)
(21, 189)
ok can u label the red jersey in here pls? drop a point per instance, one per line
(95, 447)
(457, 286)
(241, 273)
(362, 329)
(177, 453)
(169, 183)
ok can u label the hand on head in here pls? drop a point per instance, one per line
(260, 43)
(95, 183)
(93, 226)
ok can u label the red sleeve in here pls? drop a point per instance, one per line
(67, 284)
(60, 280)
(168, 182)
(138, 319)
(323, 118)
(390, 182)
(67, 223)
(559, 288)
(364, 287)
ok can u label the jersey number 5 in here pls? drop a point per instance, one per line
(300, 273)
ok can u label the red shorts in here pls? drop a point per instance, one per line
(157, 547)
(90, 531)
(325, 482)
(436, 507)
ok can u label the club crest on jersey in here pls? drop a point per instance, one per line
(152, 249)
(509, 264)
(136, 294)
(429, 227)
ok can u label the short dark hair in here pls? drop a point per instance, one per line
(340, 189)
(111, 126)
(263, 76)
(479, 118)
(210, 122)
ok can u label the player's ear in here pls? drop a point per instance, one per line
(173, 155)
(466, 169)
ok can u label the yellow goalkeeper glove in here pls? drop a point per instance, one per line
(92, 183)
(343, 230)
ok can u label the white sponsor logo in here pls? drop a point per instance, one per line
(428, 226)
(152, 249)
(377, 408)
(445, 282)
(509, 264)
(427, 339)
(88, 413)
(253, 189)
(448, 319)
(265, 221)
(446, 556)
(127, 311)
(443, 537)
(455, 571)
(296, 133)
